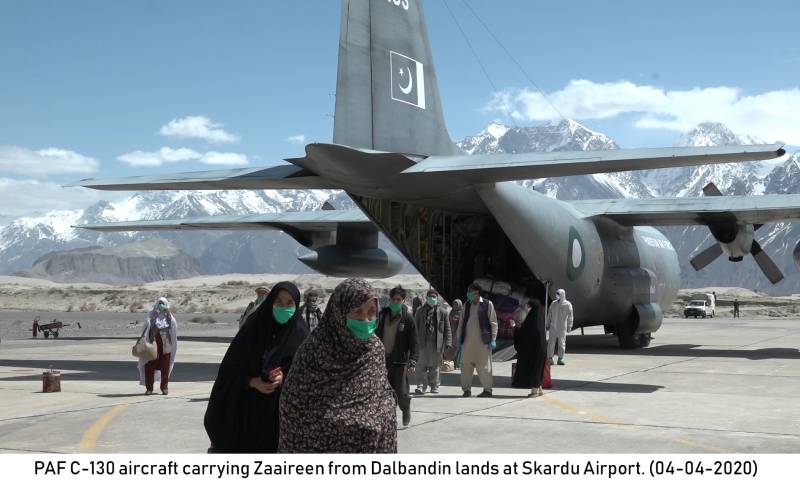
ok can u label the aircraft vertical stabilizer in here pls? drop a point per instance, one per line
(387, 95)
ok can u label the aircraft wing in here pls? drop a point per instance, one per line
(694, 210)
(276, 177)
(507, 167)
(302, 226)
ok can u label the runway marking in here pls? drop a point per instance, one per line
(90, 437)
(630, 426)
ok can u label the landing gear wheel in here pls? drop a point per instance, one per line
(644, 340)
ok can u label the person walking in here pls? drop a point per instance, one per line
(261, 294)
(434, 336)
(160, 327)
(530, 341)
(559, 322)
(476, 338)
(243, 410)
(455, 316)
(310, 310)
(396, 330)
(736, 308)
(337, 398)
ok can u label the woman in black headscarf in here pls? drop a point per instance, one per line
(242, 414)
(530, 341)
(337, 398)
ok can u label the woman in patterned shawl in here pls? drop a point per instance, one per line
(337, 399)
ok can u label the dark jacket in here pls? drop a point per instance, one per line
(444, 336)
(406, 349)
(483, 320)
(309, 315)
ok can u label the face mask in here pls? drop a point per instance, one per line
(162, 308)
(432, 301)
(260, 299)
(361, 330)
(395, 307)
(471, 296)
(283, 315)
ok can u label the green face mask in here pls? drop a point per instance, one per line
(471, 296)
(283, 315)
(361, 330)
(395, 307)
(432, 301)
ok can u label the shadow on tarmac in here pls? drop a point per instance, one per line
(197, 339)
(110, 370)
(607, 345)
(454, 380)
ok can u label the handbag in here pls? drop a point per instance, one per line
(143, 349)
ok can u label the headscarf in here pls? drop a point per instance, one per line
(337, 398)
(160, 321)
(239, 418)
(160, 318)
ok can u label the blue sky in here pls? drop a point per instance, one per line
(99, 81)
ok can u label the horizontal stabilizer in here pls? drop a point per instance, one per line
(276, 177)
(694, 210)
(305, 227)
(507, 167)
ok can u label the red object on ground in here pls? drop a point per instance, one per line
(547, 382)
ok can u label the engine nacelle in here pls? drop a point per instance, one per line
(736, 241)
(343, 261)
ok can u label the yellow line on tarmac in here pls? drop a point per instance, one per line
(90, 437)
(605, 420)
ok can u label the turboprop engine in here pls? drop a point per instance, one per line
(736, 239)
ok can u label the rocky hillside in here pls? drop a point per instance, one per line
(145, 261)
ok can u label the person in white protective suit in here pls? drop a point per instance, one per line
(559, 321)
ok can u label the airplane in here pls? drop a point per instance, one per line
(457, 218)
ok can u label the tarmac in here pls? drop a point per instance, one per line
(716, 385)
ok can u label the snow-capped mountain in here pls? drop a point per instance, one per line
(730, 178)
(26, 239)
(565, 135)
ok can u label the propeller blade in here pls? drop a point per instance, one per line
(766, 263)
(711, 190)
(706, 257)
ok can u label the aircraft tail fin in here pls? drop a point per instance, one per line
(387, 96)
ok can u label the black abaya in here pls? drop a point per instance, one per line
(530, 341)
(240, 419)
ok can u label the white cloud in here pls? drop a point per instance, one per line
(199, 127)
(773, 115)
(298, 139)
(215, 158)
(170, 155)
(158, 158)
(45, 162)
(26, 197)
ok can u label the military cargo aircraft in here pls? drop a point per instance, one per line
(458, 218)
